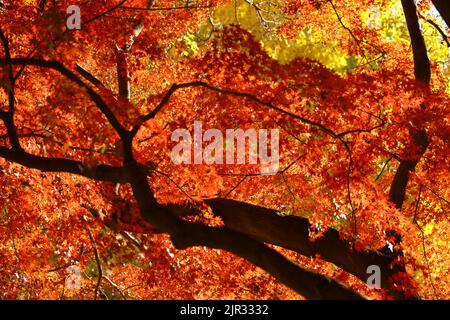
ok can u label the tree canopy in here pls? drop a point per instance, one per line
(359, 91)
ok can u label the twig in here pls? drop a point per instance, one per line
(382, 169)
(115, 286)
(436, 26)
(99, 265)
(423, 240)
(106, 12)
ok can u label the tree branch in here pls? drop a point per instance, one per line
(88, 76)
(8, 117)
(97, 260)
(422, 73)
(253, 98)
(438, 28)
(248, 96)
(187, 7)
(117, 6)
(292, 232)
(185, 234)
(57, 66)
(123, 72)
(309, 284)
(98, 172)
(444, 10)
(422, 70)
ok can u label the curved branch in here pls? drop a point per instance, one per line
(438, 28)
(253, 98)
(57, 66)
(185, 234)
(444, 10)
(292, 232)
(249, 96)
(98, 172)
(309, 284)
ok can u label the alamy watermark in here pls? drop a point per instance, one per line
(73, 280)
(228, 148)
(374, 280)
(74, 20)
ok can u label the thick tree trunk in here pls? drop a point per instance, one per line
(422, 70)
(292, 232)
(422, 73)
(185, 234)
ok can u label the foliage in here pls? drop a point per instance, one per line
(342, 73)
